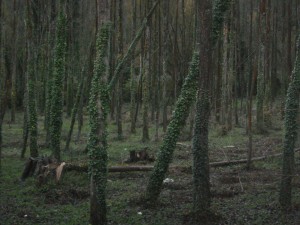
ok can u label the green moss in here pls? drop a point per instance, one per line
(178, 119)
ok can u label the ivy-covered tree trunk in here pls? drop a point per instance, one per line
(98, 111)
(290, 123)
(181, 112)
(49, 85)
(201, 192)
(56, 110)
(30, 75)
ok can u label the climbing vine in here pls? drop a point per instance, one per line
(290, 137)
(181, 112)
(56, 109)
(220, 7)
(98, 110)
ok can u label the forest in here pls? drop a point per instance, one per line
(156, 112)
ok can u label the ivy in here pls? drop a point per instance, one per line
(56, 108)
(180, 114)
(220, 7)
(98, 111)
(290, 137)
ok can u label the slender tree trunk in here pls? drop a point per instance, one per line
(51, 38)
(2, 111)
(14, 64)
(31, 87)
(56, 109)
(166, 53)
(251, 83)
(98, 111)
(75, 110)
(261, 68)
(133, 86)
(119, 96)
(201, 192)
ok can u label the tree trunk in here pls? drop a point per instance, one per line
(291, 114)
(56, 109)
(201, 192)
(75, 109)
(181, 112)
(98, 110)
(261, 68)
(133, 86)
(31, 87)
(119, 96)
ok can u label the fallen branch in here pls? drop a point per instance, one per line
(42, 167)
(112, 169)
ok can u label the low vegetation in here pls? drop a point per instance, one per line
(238, 196)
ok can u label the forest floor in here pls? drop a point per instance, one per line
(238, 196)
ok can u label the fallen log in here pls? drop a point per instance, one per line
(112, 169)
(42, 167)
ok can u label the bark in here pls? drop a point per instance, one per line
(75, 109)
(2, 96)
(177, 122)
(31, 87)
(133, 86)
(119, 96)
(261, 68)
(14, 64)
(56, 110)
(146, 85)
(290, 137)
(201, 187)
(98, 110)
(131, 47)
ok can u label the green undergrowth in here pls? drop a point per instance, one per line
(239, 196)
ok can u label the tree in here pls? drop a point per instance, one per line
(133, 88)
(56, 109)
(119, 96)
(261, 67)
(201, 192)
(180, 114)
(2, 111)
(290, 136)
(30, 78)
(181, 111)
(98, 110)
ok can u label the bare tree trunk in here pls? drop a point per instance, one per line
(119, 96)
